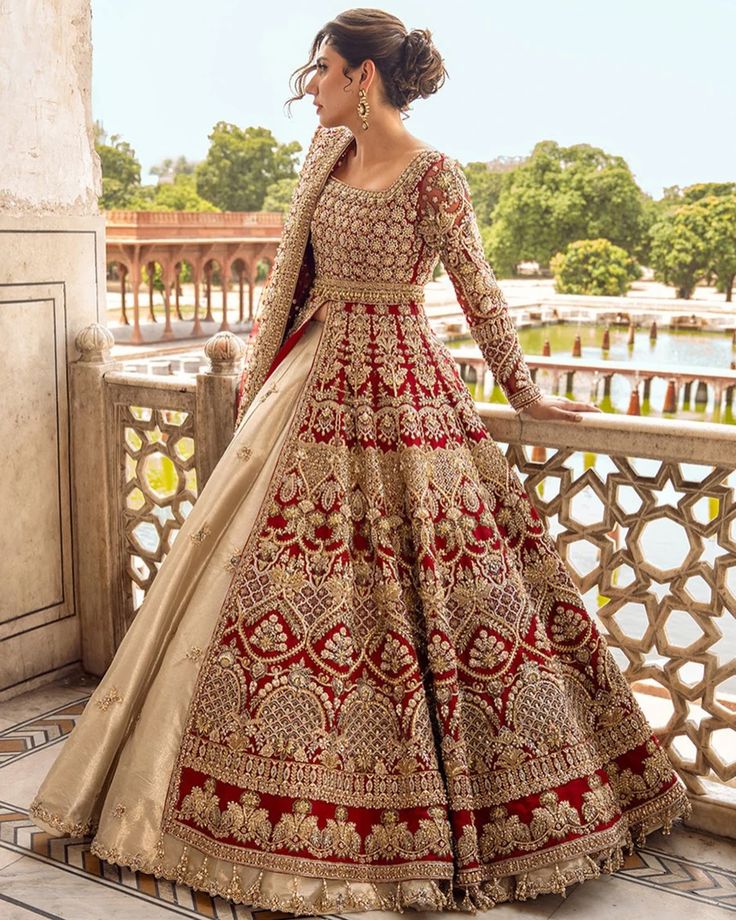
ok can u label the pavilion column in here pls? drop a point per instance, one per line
(151, 269)
(54, 591)
(241, 285)
(208, 291)
(225, 267)
(252, 272)
(167, 272)
(123, 276)
(177, 289)
(137, 335)
(197, 330)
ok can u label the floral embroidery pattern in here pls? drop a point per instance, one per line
(112, 696)
(232, 559)
(200, 535)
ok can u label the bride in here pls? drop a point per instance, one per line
(363, 677)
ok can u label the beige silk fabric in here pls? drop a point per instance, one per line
(138, 709)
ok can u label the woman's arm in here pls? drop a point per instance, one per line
(448, 221)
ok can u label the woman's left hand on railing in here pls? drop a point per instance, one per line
(558, 407)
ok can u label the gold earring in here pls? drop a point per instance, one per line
(363, 108)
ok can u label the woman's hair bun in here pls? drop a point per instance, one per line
(421, 70)
(410, 65)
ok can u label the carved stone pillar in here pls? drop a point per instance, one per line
(216, 399)
(225, 268)
(93, 498)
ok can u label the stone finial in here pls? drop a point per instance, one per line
(225, 352)
(94, 342)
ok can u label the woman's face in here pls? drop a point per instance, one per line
(336, 97)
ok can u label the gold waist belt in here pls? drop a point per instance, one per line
(367, 291)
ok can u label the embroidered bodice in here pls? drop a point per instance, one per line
(394, 237)
(370, 236)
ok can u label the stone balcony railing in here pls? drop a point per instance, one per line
(642, 510)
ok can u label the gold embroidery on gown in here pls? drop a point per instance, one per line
(391, 696)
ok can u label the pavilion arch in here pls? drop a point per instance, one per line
(222, 250)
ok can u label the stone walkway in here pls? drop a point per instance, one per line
(683, 876)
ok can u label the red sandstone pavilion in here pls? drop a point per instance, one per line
(235, 241)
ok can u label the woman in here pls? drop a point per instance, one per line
(363, 676)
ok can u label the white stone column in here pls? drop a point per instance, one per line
(52, 285)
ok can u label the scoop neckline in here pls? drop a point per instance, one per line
(382, 191)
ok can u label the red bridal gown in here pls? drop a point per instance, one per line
(363, 676)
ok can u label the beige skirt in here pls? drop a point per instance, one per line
(111, 776)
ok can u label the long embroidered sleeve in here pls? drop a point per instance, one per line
(448, 221)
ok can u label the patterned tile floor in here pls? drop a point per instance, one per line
(683, 876)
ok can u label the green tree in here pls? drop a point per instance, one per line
(121, 171)
(278, 195)
(563, 194)
(678, 196)
(652, 211)
(168, 169)
(721, 240)
(179, 195)
(594, 267)
(241, 164)
(679, 254)
(487, 181)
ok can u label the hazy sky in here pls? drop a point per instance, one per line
(651, 80)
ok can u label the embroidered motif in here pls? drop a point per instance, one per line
(194, 653)
(112, 696)
(272, 389)
(244, 452)
(200, 535)
(232, 559)
(119, 810)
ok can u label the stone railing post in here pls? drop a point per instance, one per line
(216, 389)
(93, 497)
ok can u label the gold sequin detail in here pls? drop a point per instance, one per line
(232, 559)
(270, 391)
(200, 535)
(112, 696)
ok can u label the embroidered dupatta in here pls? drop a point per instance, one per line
(293, 264)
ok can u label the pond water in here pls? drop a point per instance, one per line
(673, 348)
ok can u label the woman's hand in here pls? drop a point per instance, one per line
(558, 407)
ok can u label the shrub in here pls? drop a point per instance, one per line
(594, 267)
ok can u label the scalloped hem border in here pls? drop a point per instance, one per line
(341, 895)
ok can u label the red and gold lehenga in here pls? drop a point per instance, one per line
(363, 677)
